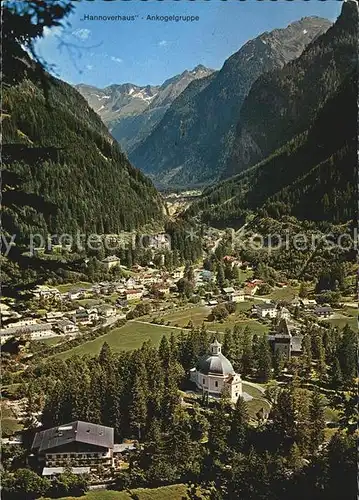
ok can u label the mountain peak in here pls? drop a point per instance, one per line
(131, 110)
(201, 67)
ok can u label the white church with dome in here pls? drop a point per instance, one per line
(214, 372)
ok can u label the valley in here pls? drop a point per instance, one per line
(178, 202)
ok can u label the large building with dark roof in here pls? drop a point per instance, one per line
(81, 444)
(214, 373)
(287, 341)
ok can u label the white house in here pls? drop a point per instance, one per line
(85, 443)
(308, 302)
(36, 332)
(22, 323)
(107, 310)
(54, 316)
(76, 293)
(234, 295)
(133, 294)
(324, 311)
(237, 296)
(86, 316)
(214, 373)
(44, 291)
(265, 310)
(111, 261)
(67, 327)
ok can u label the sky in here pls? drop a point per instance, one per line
(147, 52)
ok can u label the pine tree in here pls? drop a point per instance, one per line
(105, 356)
(341, 461)
(155, 381)
(220, 278)
(295, 459)
(238, 425)
(229, 345)
(272, 391)
(317, 421)
(307, 355)
(220, 428)
(278, 363)
(284, 415)
(164, 351)
(347, 354)
(264, 359)
(302, 418)
(138, 407)
(154, 434)
(247, 352)
(336, 377)
(320, 355)
(173, 346)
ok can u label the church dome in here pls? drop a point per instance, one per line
(216, 363)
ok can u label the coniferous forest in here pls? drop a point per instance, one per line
(87, 177)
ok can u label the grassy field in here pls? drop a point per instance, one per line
(9, 424)
(181, 318)
(288, 293)
(128, 337)
(69, 286)
(134, 333)
(252, 391)
(341, 322)
(174, 492)
(347, 315)
(231, 321)
(51, 341)
(199, 315)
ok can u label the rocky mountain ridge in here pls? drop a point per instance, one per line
(131, 111)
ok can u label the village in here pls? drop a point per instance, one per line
(144, 303)
(67, 314)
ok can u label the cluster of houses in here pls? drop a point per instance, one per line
(287, 338)
(67, 321)
(56, 323)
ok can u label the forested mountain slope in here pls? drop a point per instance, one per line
(86, 177)
(283, 103)
(312, 177)
(191, 143)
